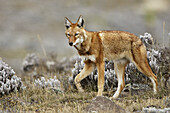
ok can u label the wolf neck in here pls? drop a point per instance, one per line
(85, 45)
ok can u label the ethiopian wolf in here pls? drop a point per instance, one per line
(96, 47)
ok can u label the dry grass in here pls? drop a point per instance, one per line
(35, 99)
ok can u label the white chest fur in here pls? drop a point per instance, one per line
(88, 57)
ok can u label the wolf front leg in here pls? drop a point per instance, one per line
(100, 69)
(88, 68)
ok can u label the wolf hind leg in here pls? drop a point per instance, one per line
(141, 62)
(119, 67)
(88, 68)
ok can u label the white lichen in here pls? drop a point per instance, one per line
(51, 83)
(9, 82)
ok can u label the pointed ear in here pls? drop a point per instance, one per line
(80, 21)
(67, 22)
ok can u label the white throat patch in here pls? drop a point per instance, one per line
(78, 41)
(88, 57)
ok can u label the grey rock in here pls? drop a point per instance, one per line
(103, 104)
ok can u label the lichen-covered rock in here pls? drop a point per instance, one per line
(8, 80)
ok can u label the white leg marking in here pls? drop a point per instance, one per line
(120, 82)
(154, 85)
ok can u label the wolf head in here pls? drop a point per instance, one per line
(75, 32)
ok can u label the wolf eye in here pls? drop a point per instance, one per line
(76, 34)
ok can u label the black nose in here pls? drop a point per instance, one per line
(71, 43)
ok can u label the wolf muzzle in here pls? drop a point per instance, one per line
(70, 43)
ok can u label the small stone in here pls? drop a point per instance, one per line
(100, 104)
